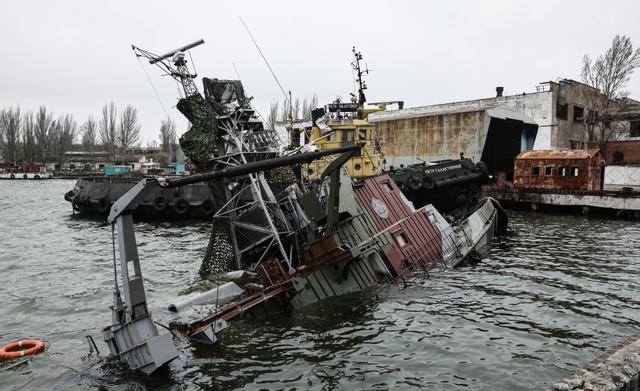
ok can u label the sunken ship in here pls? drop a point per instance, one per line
(298, 239)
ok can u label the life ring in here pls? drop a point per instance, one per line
(207, 207)
(103, 205)
(181, 206)
(160, 203)
(33, 345)
(401, 185)
(428, 182)
(414, 183)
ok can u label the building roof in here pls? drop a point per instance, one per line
(558, 154)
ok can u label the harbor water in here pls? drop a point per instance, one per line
(550, 296)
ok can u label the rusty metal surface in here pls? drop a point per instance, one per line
(390, 211)
(559, 154)
(589, 165)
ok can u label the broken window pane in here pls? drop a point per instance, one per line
(574, 171)
(578, 113)
(548, 171)
(535, 171)
(562, 171)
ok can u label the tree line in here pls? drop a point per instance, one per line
(42, 137)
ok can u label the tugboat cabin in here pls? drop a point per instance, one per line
(576, 169)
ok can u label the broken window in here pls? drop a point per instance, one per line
(618, 156)
(387, 186)
(562, 171)
(561, 111)
(548, 170)
(634, 129)
(401, 238)
(362, 134)
(574, 171)
(578, 113)
(535, 171)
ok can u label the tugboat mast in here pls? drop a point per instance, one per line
(362, 85)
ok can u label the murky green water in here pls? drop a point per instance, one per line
(550, 297)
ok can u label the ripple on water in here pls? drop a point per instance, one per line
(549, 297)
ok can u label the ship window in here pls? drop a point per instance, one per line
(362, 134)
(574, 171)
(387, 186)
(535, 171)
(562, 171)
(332, 136)
(548, 170)
(347, 135)
(401, 238)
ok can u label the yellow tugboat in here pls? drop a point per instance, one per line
(340, 124)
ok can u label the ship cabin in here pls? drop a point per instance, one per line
(575, 169)
(340, 124)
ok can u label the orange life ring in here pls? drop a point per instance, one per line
(34, 346)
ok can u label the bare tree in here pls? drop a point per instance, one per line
(43, 126)
(308, 106)
(274, 109)
(11, 127)
(63, 133)
(108, 129)
(128, 130)
(609, 73)
(168, 137)
(89, 135)
(29, 146)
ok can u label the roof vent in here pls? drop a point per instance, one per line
(499, 91)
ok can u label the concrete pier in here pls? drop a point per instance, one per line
(618, 369)
(621, 204)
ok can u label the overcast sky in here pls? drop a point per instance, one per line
(75, 56)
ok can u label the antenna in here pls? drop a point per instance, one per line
(265, 60)
(361, 83)
(181, 49)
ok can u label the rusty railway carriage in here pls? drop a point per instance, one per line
(576, 169)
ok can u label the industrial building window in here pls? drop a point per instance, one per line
(362, 134)
(634, 129)
(618, 156)
(548, 171)
(578, 113)
(535, 171)
(574, 171)
(561, 111)
(401, 239)
(562, 171)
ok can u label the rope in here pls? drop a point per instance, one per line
(152, 86)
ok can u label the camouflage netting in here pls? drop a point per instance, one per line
(199, 143)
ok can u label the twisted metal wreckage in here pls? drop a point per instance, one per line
(305, 241)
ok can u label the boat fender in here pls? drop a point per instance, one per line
(401, 185)
(36, 176)
(428, 183)
(466, 163)
(181, 206)
(207, 207)
(160, 204)
(24, 176)
(12, 176)
(414, 183)
(32, 346)
(483, 168)
(103, 205)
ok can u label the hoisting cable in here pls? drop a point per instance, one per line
(265, 60)
(152, 86)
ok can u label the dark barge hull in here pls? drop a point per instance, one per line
(95, 195)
